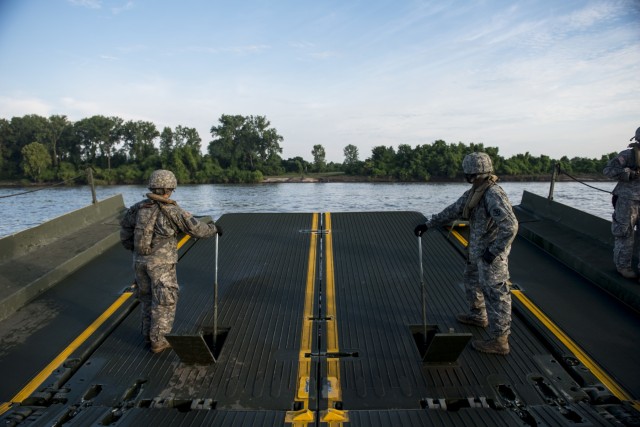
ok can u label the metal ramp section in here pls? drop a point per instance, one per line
(378, 299)
(319, 310)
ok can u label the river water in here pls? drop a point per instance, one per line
(27, 210)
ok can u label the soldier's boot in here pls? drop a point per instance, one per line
(627, 273)
(159, 346)
(498, 345)
(470, 319)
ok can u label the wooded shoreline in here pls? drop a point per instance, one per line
(342, 178)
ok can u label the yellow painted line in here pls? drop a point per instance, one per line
(55, 363)
(458, 236)
(580, 354)
(183, 240)
(33, 385)
(304, 416)
(573, 348)
(333, 416)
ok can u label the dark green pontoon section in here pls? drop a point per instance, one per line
(363, 365)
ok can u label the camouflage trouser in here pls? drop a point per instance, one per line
(625, 218)
(158, 293)
(488, 294)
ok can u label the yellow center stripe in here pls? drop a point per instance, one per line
(332, 416)
(305, 415)
(33, 385)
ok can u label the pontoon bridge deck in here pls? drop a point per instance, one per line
(320, 320)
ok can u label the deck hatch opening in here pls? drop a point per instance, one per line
(198, 349)
(439, 348)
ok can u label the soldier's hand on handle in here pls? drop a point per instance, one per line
(218, 230)
(420, 229)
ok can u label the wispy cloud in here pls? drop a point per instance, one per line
(323, 55)
(237, 50)
(20, 105)
(302, 45)
(125, 7)
(90, 4)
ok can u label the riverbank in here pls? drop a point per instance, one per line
(370, 179)
(344, 178)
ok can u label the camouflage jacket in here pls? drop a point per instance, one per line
(622, 168)
(492, 223)
(171, 221)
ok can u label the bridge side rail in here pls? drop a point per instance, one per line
(581, 241)
(34, 260)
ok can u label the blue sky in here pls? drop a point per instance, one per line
(539, 76)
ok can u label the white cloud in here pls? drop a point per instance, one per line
(13, 106)
(125, 7)
(90, 4)
(237, 50)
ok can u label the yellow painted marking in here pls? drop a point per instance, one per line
(580, 354)
(334, 416)
(304, 415)
(573, 347)
(183, 240)
(333, 364)
(33, 385)
(301, 417)
(458, 236)
(55, 363)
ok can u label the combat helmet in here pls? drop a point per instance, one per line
(476, 164)
(637, 137)
(162, 179)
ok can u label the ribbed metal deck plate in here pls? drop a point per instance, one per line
(371, 260)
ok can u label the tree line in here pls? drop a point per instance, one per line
(242, 149)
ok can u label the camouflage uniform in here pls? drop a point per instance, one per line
(155, 272)
(493, 226)
(626, 201)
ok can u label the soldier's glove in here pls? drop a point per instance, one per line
(629, 174)
(421, 228)
(218, 230)
(488, 256)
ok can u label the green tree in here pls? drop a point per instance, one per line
(351, 164)
(23, 131)
(166, 146)
(98, 137)
(296, 165)
(246, 143)
(265, 143)
(57, 125)
(35, 160)
(138, 139)
(5, 135)
(226, 144)
(382, 162)
(319, 155)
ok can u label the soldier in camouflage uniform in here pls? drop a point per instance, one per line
(625, 168)
(150, 229)
(493, 226)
